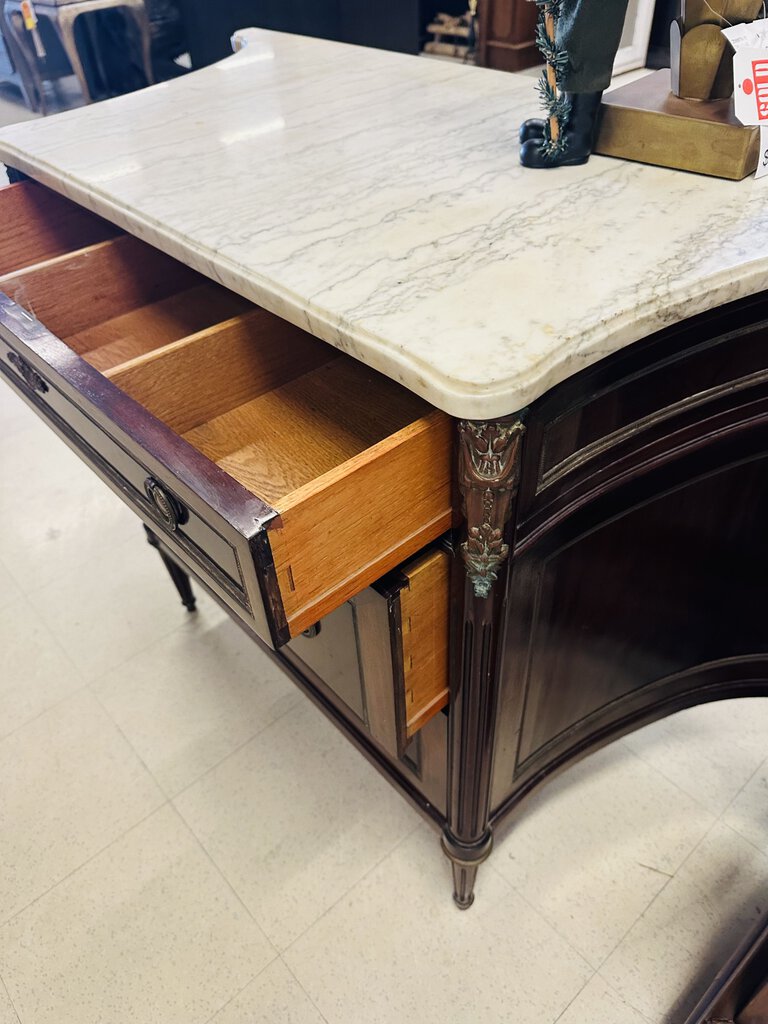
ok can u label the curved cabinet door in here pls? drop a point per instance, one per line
(640, 578)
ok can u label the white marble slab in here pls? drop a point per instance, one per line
(377, 200)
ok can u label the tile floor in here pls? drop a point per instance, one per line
(184, 839)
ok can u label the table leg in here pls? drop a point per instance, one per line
(488, 475)
(139, 13)
(177, 574)
(65, 20)
(32, 83)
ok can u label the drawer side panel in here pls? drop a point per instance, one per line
(349, 528)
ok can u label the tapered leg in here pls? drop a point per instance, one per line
(177, 574)
(488, 474)
(30, 82)
(65, 20)
(138, 12)
(465, 860)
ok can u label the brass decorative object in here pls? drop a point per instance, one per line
(700, 55)
(683, 117)
(645, 121)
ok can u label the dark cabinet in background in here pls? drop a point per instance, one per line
(386, 24)
(664, 14)
(506, 37)
(507, 34)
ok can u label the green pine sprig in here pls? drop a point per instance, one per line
(552, 55)
(556, 103)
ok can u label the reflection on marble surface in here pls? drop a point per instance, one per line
(376, 199)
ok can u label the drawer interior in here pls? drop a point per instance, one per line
(271, 405)
(318, 436)
(118, 299)
(38, 225)
(276, 413)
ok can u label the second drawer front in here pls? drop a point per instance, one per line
(331, 649)
(631, 410)
(384, 654)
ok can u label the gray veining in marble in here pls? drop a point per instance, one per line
(377, 200)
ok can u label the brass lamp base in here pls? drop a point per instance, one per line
(645, 121)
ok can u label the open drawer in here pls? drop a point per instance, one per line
(288, 475)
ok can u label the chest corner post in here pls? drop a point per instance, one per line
(488, 475)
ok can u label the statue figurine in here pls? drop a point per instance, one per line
(578, 40)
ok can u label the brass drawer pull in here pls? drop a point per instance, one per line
(168, 508)
(29, 373)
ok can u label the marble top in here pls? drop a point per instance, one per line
(376, 199)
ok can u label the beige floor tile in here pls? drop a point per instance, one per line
(7, 1013)
(32, 459)
(670, 955)
(73, 523)
(592, 849)
(709, 751)
(293, 819)
(748, 813)
(190, 700)
(112, 608)
(12, 108)
(36, 673)
(395, 948)
(597, 1003)
(275, 997)
(145, 932)
(10, 591)
(71, 785)
(15, 414)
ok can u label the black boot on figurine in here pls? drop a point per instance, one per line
(533, 128)
(576, 140)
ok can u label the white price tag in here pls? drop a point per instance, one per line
(762, 163)
(750, 79)
(750, 36)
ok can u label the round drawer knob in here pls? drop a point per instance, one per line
(169, 510)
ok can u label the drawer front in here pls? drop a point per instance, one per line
(151, 488)
(642, 407)
(384, 656)
(331, 649)
(155, 498)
